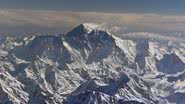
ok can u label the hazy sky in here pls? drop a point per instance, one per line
(56, 16)
(121, 6)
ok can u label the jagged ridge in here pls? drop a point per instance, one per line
(89, 65)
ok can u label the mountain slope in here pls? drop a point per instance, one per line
(89, 65)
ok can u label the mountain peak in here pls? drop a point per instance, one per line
(90, 65)
(82, 29)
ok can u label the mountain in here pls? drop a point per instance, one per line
(89, 65)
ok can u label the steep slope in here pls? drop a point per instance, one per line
(171, 64)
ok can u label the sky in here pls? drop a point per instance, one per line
(115, 6)
(56, 16)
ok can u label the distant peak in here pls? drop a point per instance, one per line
(83, 29)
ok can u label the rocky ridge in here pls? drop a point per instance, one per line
(89, 65)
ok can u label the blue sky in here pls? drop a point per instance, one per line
(121, 6)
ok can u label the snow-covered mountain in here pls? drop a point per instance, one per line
(89, 65)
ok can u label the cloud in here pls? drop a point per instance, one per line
(42, 21)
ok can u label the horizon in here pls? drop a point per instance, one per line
(60, 16)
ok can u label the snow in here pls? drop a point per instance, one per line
(60, 72)
(90, 26)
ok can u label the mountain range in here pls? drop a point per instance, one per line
(89, 65)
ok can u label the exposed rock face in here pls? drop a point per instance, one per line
(90, 66)
(171, 64)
